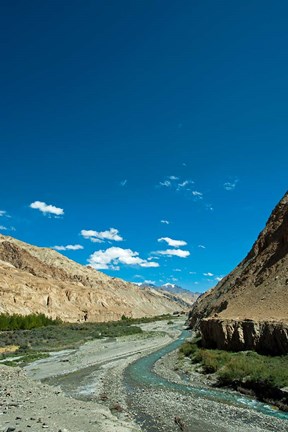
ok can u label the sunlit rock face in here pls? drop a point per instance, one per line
(40, 280)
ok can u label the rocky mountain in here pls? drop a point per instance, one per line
(41, 280)
(178, 294)
(248, 309)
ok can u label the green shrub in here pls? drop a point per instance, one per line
(240, 367)
(25, 322)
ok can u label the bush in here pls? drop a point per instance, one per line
(241, 367)
(25, 322)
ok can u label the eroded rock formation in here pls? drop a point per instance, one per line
(248, 309)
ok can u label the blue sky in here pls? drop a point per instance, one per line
(124, 123)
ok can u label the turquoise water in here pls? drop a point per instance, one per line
(140, 374)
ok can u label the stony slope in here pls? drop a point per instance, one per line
(34, 279)
(255, 291)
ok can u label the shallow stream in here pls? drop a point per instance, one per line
(141, 373)
(140, 377)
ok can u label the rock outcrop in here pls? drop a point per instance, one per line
(248, 309)
(41, 280)
(268, 337)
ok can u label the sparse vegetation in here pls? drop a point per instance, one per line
(239, 366)
(265, 375)
(34, 335)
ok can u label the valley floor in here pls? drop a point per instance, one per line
(82, 391)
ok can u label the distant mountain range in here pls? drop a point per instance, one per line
(188, 297)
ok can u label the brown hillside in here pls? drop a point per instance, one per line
(41, 280)
(256, 290)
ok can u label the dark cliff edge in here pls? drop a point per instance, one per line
(248, 309)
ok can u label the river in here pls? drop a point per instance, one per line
(158, 404)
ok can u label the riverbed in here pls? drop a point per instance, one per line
(111, 385)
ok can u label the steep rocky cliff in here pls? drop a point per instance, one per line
(41, 280)
(249, 307)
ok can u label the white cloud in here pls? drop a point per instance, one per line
(68, 247)
(101, 236)
(166, 183)
(164, 221)
(47, 208)
(192, 273)
(173, 178)
(123, 182)
(197, 194)
(201, 246)
(3, 228)
(171, 242)
(174, 252)
(4, 213)
(113, 256)
(229, 186)
(177, 270)
(208, 274)
(184, 185)
(218, 278)
(149, 282)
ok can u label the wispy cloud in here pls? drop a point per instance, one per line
(165, 183)
(3, 213)
(5, 228)
(123, 182)
(187, 188)
(171, 242)
(197, 195)
(231, 185)
(113, 256)
(100, 236)
(47, 208)
(218, 278)
(149, 282)
(185, 185)
(201, 246)
(174, 252)
(164, 221)
(209, 274)
(209, 207)
(68, 247)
